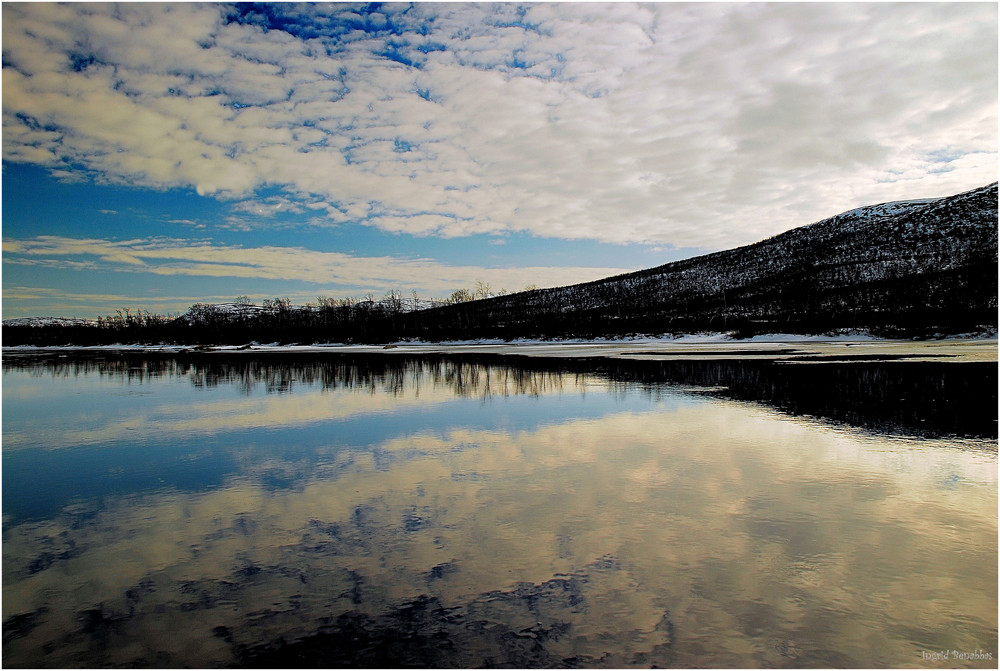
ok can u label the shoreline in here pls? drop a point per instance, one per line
(784, 347)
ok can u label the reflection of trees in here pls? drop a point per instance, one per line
(129, 369)
(380, 374)
(898, 397)
(925, 398)
(473, 377)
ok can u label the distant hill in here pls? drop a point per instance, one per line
(898, 268)
(48, 321)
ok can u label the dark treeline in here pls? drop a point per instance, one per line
(276, 321)
(954, 301)
(937, 398)
(958, 301)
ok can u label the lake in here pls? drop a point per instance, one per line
(465, 510)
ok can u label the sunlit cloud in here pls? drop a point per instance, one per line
(164, 256)
(219, 416)
(675, 124)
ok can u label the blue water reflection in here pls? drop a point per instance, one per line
(183, 433)
(445, 512)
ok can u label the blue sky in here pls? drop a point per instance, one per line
(156, 156)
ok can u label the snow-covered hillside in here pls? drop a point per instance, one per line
(48, 321)
(908, 262)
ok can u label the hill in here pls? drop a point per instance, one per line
(894, 268)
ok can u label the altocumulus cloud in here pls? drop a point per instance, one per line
(703, 125)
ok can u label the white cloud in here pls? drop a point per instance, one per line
(703, 125)
(267, 207)
(165, 256)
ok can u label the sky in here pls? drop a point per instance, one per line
(161, 155)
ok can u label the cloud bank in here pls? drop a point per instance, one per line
(703, 125)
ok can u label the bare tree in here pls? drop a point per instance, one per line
(483, 289)
(394, 301)
(460, 296)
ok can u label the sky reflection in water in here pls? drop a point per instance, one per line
(464, 514)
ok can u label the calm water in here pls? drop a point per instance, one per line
(446, 512)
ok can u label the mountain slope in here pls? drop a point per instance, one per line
(927, 264)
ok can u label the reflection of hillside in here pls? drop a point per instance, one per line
(921, 398)
(925, 398)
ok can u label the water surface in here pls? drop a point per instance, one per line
(457, 512)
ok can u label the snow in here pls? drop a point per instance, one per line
(886, 209)
(686, 339)
(48, 321)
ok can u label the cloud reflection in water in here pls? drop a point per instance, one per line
(638, 529)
